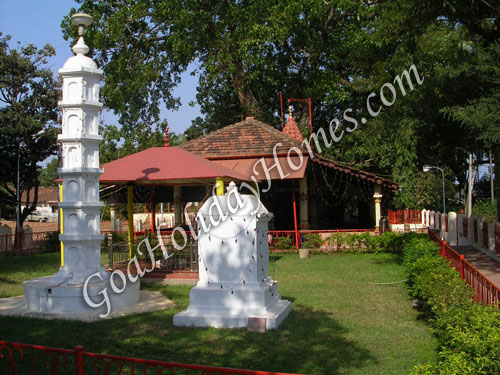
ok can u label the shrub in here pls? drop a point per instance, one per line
(312, 241)
(50, 243)
(282, 243)
(336, 242)
(468, 334)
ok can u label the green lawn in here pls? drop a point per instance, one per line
(340, 323)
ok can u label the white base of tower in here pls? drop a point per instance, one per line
(220, 308)
(43, 295)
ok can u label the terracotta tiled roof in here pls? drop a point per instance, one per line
(253, 139)
(248, 138)
(292, 129)
(165, 165)
(49, 194)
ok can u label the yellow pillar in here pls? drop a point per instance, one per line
(219, 186)
(130, 209)
(377, 199)
(61, 222)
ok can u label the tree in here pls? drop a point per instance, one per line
(27, 118)
(246, 53)
(50, 173)
(120, 142)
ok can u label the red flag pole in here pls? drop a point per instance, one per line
(295, 216)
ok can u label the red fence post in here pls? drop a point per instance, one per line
(443, 250)
(79, 368)
(462, 266)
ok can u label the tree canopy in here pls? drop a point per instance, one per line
(336, 52)
(27, 117)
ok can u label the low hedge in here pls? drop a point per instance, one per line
(387, 242)
(468, 334)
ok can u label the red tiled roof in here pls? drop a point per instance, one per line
(252, 167)
(292, 129)
(167, 165)
(46, 194)
(249, 138)
(253, 139)
(372, 177)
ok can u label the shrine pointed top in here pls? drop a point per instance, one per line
(80, 62)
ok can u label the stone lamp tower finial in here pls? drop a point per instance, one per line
(82, 20)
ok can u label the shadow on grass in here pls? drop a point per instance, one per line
(27, 263)
(308, 341)
(7, 281)
(390, 258)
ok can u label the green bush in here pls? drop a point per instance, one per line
(282, 243)
(468, 333)
(50, 243)
(312, 241)
(387, 242)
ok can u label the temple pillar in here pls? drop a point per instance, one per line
(377, 199)
(177, 205)
(303, 204)
(130, 218)
(112, 216)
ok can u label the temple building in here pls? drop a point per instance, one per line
(296, 183)
(303, 189)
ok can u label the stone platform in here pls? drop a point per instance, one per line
(148, 301)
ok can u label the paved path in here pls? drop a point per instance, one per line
(486, 265)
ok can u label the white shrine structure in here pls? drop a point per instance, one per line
(234, 282)
(80, 139)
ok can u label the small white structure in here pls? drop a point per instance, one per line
(234, 284)
(63, 292)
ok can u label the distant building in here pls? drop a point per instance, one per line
(48, 198)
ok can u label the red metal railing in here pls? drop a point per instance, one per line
(17, 358)
(29, 243)
(486, 292)
(484, 227)
(406, 216)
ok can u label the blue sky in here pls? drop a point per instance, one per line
(38, 22)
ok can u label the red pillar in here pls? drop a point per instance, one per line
(79, 362)
(462, 266)
(295, 216)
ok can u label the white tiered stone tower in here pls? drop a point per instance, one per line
(80, 170)
(80, 139)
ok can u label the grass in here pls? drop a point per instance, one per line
(340, 322)
(16, 269)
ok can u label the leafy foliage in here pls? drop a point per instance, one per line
(468, 333)
(27, 119)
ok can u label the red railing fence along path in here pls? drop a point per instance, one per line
(486, 292)
(29, 243)
(17, 358)
(406, 216)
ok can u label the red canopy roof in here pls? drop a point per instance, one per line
(165, 165)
